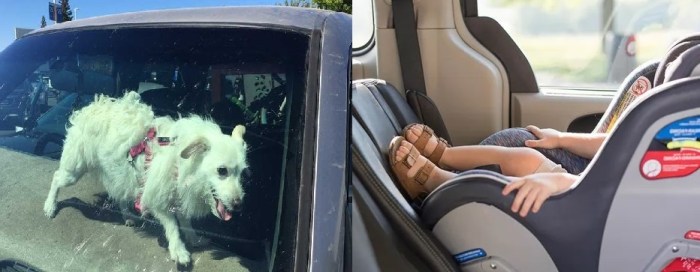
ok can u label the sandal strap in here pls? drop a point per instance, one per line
(422, 142)
(413, 186)
(412, 157)
(439, 150)
(423, 138)
(423, 174)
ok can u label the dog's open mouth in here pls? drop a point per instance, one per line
(223, 213)
(221, 210)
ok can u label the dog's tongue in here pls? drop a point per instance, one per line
(223, 213)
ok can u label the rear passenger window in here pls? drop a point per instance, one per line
(362, 24)
(592, 44)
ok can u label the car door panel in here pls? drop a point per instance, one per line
(557, 111)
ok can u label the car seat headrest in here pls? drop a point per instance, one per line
(689, 38)
(94, 82)
(64, 80)
(681, 60)
(671, 55)
(685, 65)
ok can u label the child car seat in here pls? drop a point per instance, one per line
(616, 219)
(611, 221)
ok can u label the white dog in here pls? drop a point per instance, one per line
(188, 165)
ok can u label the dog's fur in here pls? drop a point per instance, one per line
(187, 176)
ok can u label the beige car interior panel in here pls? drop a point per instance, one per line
(469, 39)
(457, 80)
(358, 71)
(467, 86)
(365, 65)
(388, 58)
(555, 111)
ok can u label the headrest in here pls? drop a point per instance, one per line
(689, 38)
(685, 65)
(671, 55)
(86, 74)
(93, 82)
(681, 61)
(64, 80)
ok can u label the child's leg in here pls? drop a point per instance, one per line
(516, 137)
(514, 161)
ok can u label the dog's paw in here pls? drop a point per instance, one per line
(129, 223)
(49, 208)
(180, 255)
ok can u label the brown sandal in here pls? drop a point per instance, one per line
(413, 186)
(422, 142)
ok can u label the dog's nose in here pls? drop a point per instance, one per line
(236, 204)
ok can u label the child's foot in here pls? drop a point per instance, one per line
(424, 139)
(416, 174)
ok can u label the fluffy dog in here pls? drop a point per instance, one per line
(189, 166)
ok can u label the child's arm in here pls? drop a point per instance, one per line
(583, 144)
(534, 189)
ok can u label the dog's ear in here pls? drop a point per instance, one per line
(238, 131)
(197, 147)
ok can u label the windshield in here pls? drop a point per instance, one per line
(252, 77)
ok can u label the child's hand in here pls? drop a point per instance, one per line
(548, 138)
(534, 189)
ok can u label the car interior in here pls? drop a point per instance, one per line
(443, 64)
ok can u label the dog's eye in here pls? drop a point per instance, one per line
(222, 171)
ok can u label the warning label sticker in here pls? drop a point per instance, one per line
(683, 264)
(668, 164)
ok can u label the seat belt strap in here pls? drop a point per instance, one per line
(408, 47)
(406, 31)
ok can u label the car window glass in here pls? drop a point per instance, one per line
(362, 23)
(232, 76)
(591, 44)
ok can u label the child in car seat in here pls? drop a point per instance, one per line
(422, 161)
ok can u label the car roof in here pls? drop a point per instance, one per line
(271, 16)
